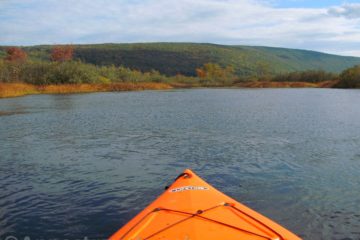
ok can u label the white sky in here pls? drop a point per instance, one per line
(332, 27)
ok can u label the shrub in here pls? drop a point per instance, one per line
(212, 73)
(312, 76)
(350, 78)
(73, 72)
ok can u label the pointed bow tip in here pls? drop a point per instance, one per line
(188, 170)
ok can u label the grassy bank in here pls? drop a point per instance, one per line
(21, 89)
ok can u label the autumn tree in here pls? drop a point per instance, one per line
(62, 53)
(15, 54)
(15, 57)
(212, 73)
(200, 72)
(350, 78)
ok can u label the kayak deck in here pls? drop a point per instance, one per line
(191, 209)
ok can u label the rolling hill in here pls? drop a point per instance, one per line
(184, 58)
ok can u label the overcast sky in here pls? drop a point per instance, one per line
(331, 26)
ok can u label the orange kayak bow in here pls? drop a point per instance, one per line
(191, 209)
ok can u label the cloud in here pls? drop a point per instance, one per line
(250, 22)
(350, 11)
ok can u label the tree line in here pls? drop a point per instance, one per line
(63, 69)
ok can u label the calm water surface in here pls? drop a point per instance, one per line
(82, 165)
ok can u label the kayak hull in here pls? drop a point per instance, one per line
(192, 209)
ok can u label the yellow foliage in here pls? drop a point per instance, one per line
(104, 80)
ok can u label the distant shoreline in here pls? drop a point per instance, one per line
(257, 84)
(8, 90)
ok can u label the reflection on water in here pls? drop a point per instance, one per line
(83, 165)
(62, 102)
(4, 113)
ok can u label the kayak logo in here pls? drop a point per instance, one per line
(187, 188)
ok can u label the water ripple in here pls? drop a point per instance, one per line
(83, 165)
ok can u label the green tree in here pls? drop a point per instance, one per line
(262, 69)
(350, 78)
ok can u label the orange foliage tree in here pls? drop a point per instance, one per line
(200, 73)
(62, 53)
(215, 74)
(15, 54)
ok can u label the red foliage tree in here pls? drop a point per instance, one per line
(62, 53)
(15, 54)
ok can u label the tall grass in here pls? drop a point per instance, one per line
(21, 89)
(16, 89)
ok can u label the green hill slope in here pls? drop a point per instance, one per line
(184, 58)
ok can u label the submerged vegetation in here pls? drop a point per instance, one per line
(21, 75)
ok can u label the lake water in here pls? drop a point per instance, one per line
(75, 166)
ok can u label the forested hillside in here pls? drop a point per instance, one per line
(183, 58)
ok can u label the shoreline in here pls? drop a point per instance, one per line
(325, 84)
(8, 90)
